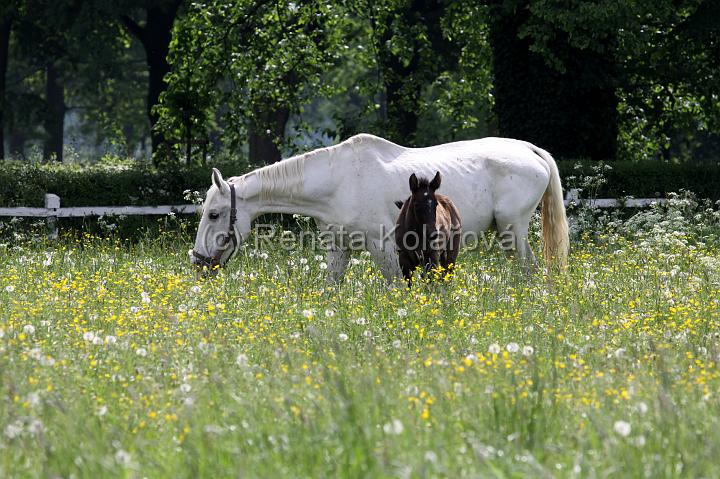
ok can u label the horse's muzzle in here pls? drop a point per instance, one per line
(205, 264)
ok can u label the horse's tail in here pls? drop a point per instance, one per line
(554, 221)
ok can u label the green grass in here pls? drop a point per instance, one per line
(265, 371)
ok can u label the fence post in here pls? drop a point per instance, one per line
(573, 194)
(52, 202)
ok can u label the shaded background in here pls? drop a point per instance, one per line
(175, 82)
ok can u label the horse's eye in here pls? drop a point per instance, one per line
(213, 216)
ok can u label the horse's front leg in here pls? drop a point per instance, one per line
(386, 257)
(337, 256)
(337, 261)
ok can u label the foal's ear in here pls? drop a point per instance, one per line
(218, 181)
(435, 183)
(414, 184)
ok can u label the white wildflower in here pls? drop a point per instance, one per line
(308, 313)
(33, 399)
(512, 347)
(241, 360)
(36, 427)
(13, 430)
(29, 329)
(88, 336)
(343, 337)
(110, 339)
(396, 344)
(394, 427)
(494, 348)
(122, 457)
(329, 313)
(9, 288)
(528, 350)
(185, 388)
(142, 352)
(622, 428)
(323, 265)
(145, 297)
(402, 312)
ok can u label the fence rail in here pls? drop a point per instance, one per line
(52, 210)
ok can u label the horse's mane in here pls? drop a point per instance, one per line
(287, 175)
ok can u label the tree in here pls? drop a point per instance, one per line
(7, 15)
(155, 36)
(558, 94)
(573, 77)
(245, 67)
(411, 50)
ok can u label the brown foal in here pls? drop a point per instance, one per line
(428, 229)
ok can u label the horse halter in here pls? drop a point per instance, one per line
(212, 261)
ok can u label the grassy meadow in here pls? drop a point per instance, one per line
(115, 361)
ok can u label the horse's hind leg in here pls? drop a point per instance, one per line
(513, 239)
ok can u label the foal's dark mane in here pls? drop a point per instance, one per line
(423, 182)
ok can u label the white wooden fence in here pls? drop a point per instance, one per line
(52, 210)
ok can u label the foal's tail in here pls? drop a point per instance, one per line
(554, 220)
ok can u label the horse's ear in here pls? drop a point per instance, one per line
(218, 181)
(435, 183)
(414, 185)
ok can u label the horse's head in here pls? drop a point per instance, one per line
(223, 225)
(423, 203)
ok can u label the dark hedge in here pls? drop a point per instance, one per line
(111, 185)
(649, 179)
(101, 185)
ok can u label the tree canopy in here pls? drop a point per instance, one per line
(258, 80)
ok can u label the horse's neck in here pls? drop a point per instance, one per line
(299, 185)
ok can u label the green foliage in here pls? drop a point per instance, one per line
(108, 183)
(646, 179)
(664, 68)
(115, 181)
(235, 63)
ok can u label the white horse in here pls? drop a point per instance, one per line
(354, 186)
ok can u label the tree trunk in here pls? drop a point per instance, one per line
(402, 97)
(5, 27)
(159, 32)
(155, 37)
(404, 78)
(573, 114)
(55, 115)
(264, 133)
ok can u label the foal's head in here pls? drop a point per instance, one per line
(423, 203)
